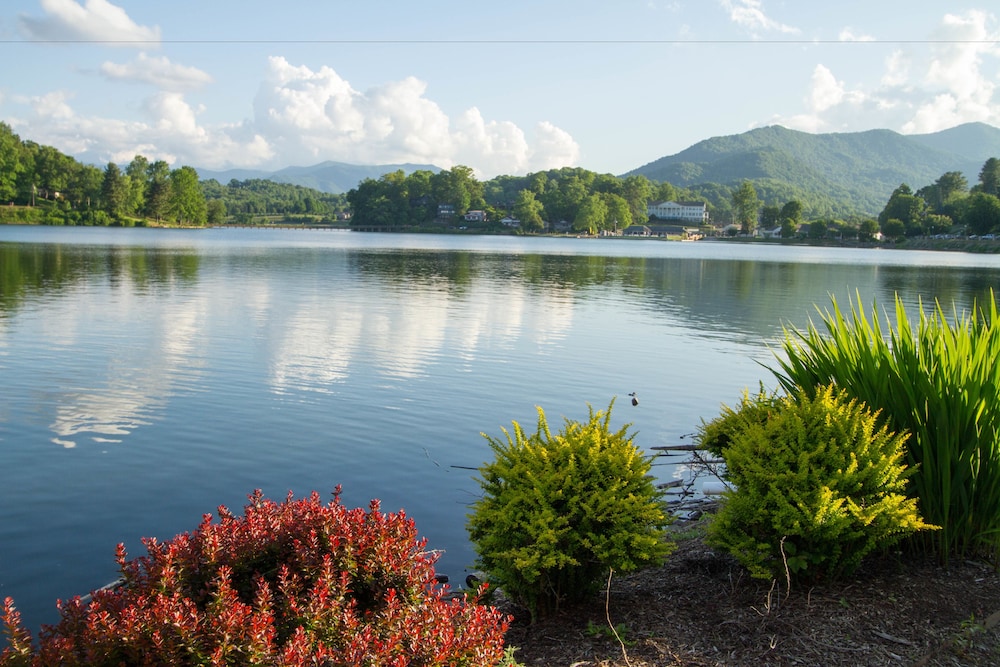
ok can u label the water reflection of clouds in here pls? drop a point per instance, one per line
(408, 329)
(404, 345)
(555, 316)
(151, 356)
(111, 412)
(317, 349)
(481, 318)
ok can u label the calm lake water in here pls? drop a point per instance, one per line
(149, 376)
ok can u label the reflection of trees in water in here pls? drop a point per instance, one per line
(960, 287)
(30, 270)
(461, 269)
(747, 297)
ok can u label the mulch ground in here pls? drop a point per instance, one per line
(702, 609)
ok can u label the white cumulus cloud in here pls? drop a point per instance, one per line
(313, 115)
(848, 35)
(826, 91)
(923, 88)
(749, 14)
(897, 69)
(94, 21)
(964, 88)
(170, 130)
(158, 71)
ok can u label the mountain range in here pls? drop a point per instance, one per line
(834, 174)
(852, 172)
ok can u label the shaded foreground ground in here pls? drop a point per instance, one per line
(701, 609)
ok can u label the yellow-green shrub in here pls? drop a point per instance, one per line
(559, 510)
(715, 436)
(818, 486)
(940, 381)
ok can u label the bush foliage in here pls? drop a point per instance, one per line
(818, 486)
(559, 510)
(941, 383)
(293, 583)
(715, 436)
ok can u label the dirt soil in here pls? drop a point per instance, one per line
(702, 609)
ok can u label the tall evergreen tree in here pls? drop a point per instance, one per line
(157, 204)
(114, 191)
(989, 177)
(746, 204)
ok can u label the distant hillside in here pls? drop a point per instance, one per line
(332, 177)
(842, 173)
(976, 141)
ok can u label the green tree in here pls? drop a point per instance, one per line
(157, 190)
(746, 205)
(792, 210)
(904, 206)
(27, 178)
(529, 211)
(397, 200)
(187, 202)
(114, 191)
(637, 191)
(537, 182)
(215, 212)
(982, 216)
(607, 184)
(84, 187)
(591, 216)
(770, 217)
(619, 213)
(989, 177)
(942, 196)
(137, 172)
(10, 162)
(363, 200)
(950, 185)
(458, 187)
(381, 203)
(565, 196)
(52, 171)
(935, 223)
(894, 229)
(665, 192)
(419, 188)
(867, 229)
(788, 228)
(818, 229)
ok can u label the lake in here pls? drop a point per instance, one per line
(149, 376)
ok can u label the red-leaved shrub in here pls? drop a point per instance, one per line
(293, 583)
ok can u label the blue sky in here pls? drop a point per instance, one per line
(504, 87)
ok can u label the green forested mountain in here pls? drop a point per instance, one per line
(977, 142)
(332, 177)
(245, 201)
(839, 174)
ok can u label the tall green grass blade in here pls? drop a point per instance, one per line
(937, 379)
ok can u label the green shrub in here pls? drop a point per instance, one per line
(941, 383)
(559, 510)
(818, 486)
(715, 436)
